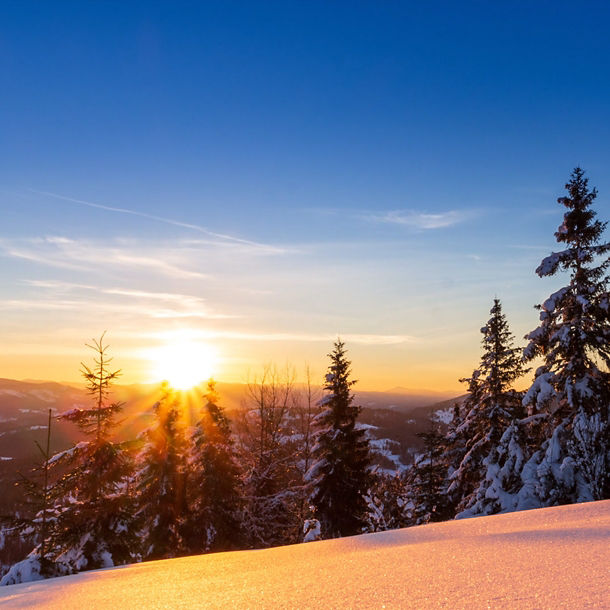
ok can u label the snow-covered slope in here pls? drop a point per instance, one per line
(547, 558)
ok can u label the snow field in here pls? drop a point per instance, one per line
(546, 558)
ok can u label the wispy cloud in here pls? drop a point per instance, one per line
(156, 264)
(364, 339)
(530, 247)
(155, 296)
(31, 252)
(177, 306)
(36, 304)
(421, 220)
(87, 255)
(135, 311)
(170, 221)
(57, 285)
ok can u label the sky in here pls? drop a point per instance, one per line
(260, 178)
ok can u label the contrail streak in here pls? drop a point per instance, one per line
(169, 221)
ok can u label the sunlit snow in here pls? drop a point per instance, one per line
(546, 558)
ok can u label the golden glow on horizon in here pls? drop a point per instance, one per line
(421, 365)
(184, 363)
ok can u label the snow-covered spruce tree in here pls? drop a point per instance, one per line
(427, 480)
(454, 444)
(488, 411)
(339, 474)
(160, 483)
(572, 387)
(93, 528)
(390, 503)
(214, 492)
(499, 489)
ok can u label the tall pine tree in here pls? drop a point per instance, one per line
(340, 472)
(160, 482)
(488, 411)
(214, 494)
(572, 387)
(93, 528)
(427, 479)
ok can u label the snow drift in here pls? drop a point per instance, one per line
(545, 558)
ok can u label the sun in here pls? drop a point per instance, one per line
(184, 363)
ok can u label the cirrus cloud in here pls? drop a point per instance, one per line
(421, 220)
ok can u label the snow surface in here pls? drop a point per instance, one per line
(443, 415)
(383, 446)
(546, 558)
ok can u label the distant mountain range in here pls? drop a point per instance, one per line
(420, 392)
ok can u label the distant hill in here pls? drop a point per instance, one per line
(442, 411)
(438, 394)
(392, 420)
(24, 407)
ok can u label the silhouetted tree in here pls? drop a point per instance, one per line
(488, 410)
(340, 471)
(95, 513)
(427, 480)
(214, 490)
(160, 482)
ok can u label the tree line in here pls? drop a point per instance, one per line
(296, 467)
(289, 467)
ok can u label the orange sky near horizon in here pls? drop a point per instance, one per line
(377, 368)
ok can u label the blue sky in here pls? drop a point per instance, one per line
(289, 171)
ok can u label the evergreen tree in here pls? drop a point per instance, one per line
(390, 502)
(93, 528)
(214, 494)
(454, 448)
(160, 482)
(498, 490)
(488, 411)
(572, 387)
(427, 480)
(340, 473)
